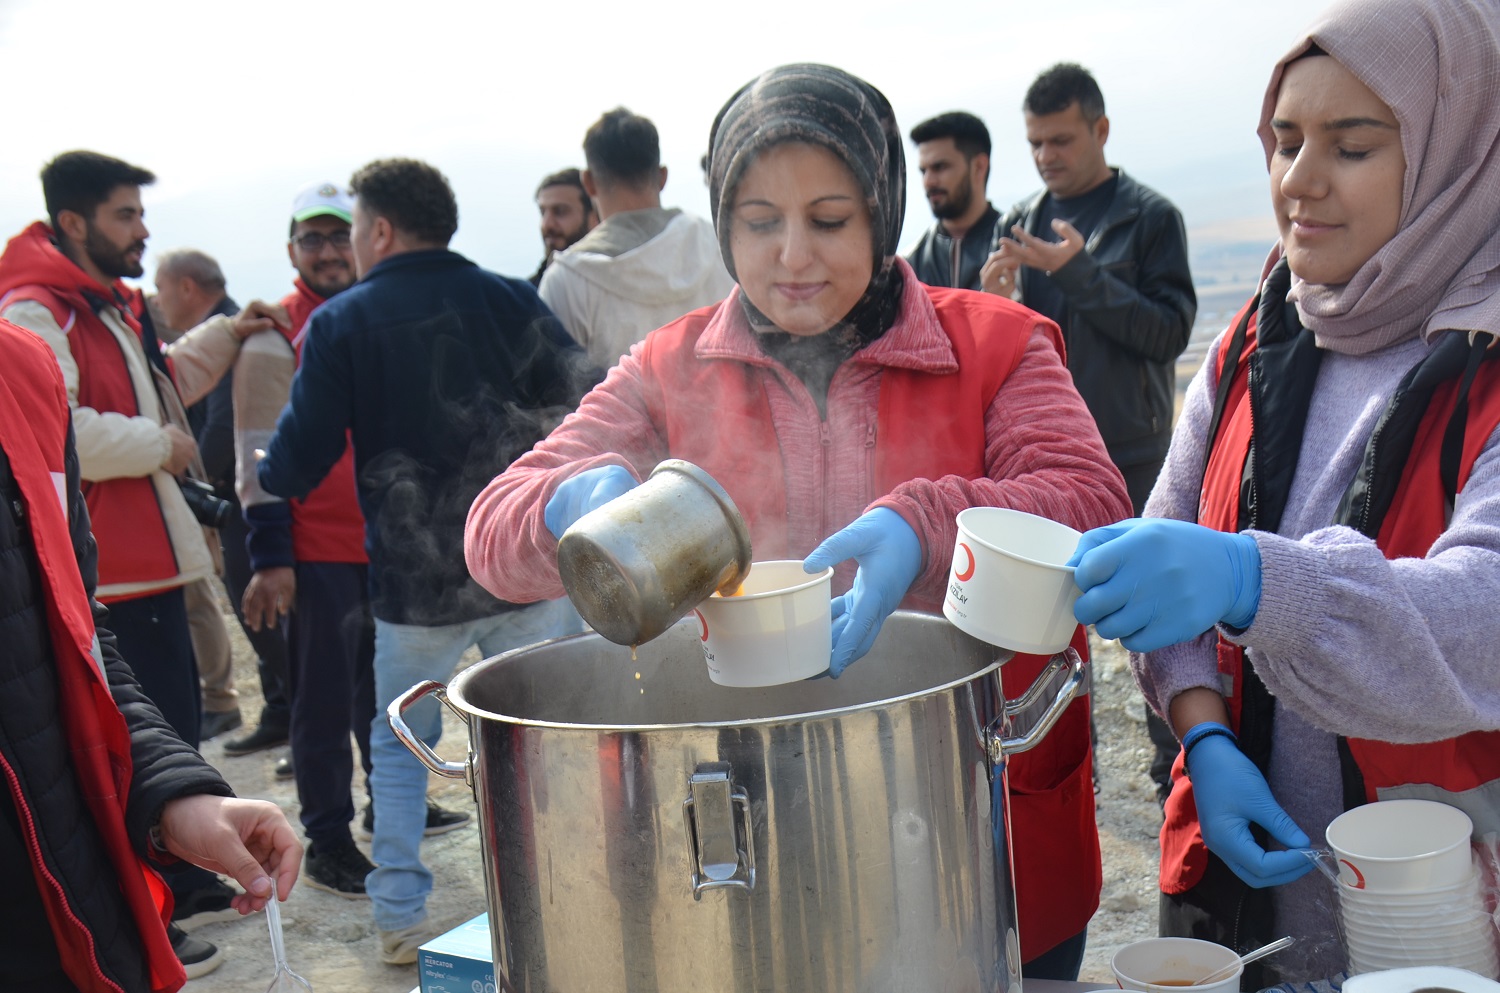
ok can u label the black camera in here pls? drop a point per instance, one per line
(205, 505)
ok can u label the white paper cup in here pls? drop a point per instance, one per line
(778, 630)
(1144, 965)
(1396, 846)
(1008, 585)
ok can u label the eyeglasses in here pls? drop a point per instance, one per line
(314, 241)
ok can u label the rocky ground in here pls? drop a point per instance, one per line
(331, 941)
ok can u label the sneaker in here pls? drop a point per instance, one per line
(400, 947)
(284, 768)
(219, 722)
(340, 870)
(198, 957)
(206, 905)
(256, 741)
(440, 820)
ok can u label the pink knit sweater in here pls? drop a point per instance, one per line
(1043, 453)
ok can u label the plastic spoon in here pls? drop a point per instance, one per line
(285, 981)
(1226, 971)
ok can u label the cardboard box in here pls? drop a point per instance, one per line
(459, 961)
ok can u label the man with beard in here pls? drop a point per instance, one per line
(62, 280)
(953, 152)
(567, 214)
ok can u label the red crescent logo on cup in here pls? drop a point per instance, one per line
(703, 623)
(967, 573)
(1359, 877)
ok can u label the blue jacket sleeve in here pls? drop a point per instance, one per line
(312, 431)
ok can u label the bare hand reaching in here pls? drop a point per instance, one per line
(260, 316)
(249, 840)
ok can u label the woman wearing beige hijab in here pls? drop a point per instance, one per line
(1313, 595)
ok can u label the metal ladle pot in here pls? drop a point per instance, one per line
(636, 565)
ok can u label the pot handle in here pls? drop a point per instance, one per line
(394, 714)
(999, 745)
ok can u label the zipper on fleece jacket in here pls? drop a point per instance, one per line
(28, 826)
(825, 447)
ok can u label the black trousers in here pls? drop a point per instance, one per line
(154, 641)
(332, 636)
(152, 632)
(269, 642)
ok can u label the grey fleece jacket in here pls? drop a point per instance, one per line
(1349, 642)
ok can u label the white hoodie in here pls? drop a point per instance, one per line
(609, 298)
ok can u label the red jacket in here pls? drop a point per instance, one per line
(34, 418)
(327, 525)
(135, 545)
(964, 401)
(1417, 516)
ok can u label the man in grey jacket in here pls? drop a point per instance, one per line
(644, 265)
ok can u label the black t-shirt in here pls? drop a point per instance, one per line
(1084, 213)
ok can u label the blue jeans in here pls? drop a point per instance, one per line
(406, 655)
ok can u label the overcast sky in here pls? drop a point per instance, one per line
(235, 106)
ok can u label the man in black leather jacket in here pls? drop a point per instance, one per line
(953, 153)
(1116, 281)
(1106, 258)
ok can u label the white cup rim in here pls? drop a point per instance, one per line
(1172, 942)
(812, 580)
(1358, 818)
(999, 550)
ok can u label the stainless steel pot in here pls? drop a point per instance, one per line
(647, 830)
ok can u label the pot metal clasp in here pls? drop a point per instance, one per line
(720, 831)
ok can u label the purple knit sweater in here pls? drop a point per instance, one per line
(1349, 642)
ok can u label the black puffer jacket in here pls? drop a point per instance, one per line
(34, 746)
(1130, 310)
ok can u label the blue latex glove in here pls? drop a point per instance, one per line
(1154, 583)
(586, 491)
(1231, 794)
(889, 556)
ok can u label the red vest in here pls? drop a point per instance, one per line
(134, 544)
(1418, 516)
(1053, 835)
(34, 418)
(327, 525)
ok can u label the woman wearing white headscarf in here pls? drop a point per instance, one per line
(1323, 634)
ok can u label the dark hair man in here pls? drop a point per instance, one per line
(442, 373)
(567, 215)
(309, 558)
(1106, 258)
(953, 153)
(644, 265)
(63, 281)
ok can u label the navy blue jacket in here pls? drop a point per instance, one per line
(445, 374)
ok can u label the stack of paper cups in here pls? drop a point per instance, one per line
(1409, 890)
